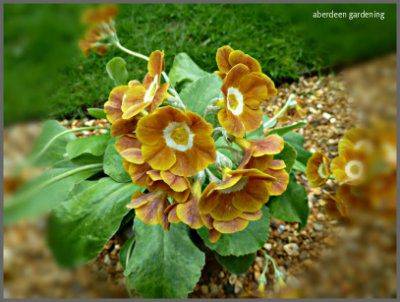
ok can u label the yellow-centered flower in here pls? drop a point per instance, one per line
(176, 140)
(244, 91)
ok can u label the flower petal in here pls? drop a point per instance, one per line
(239, 57)
(155, 64)
(129, 148)
(232, 124)
(121, 127)
(112, 107)
(251, 119)
(252, 216)
(189, 214)
(225, 210)
(132, 102)
(177, 183)
(222, 58)
(234, 76)
(272, 144)
(278, 186)
(232, 226)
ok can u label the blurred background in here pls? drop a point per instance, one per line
(343, 71)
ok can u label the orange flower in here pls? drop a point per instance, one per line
(112, 108)
(270, 145)
(149, 94)
(102, 13)
(227, 58)
(244, 91)
(239, 197)
(188, 212)
(93, 40)
(150, 208)
(177, 141)
(317, 171)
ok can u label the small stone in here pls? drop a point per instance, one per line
(204, 289)
(292, 249)
(221, 274)
(268, 246)
(281, 228)
(318, 227)
(214, 289)
(232, 279)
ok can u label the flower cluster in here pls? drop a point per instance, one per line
(365, 169)
(169, 150)
(100, 27)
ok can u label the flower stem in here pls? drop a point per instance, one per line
(291, 101)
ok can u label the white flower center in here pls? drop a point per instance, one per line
(354, 169)
(235, 101)
(178, 136)
(151, 91)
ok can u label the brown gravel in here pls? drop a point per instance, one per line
(317, 261)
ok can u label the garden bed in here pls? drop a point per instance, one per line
(329, 113)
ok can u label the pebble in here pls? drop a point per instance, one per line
(318, 227)
(204, 289)
(292, 249)
(268, 246)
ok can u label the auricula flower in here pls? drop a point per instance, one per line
(227, 58)
(151, 93)
(176, 140)
(244, 91)
(102, 13)
(317, 170)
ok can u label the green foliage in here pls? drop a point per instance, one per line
(81, 226)
(112, 163)
(45, 192)
(97, 113)
(199, 94)
(94, 145)
(49, 147)
(283, 37)
(126, 251)
(291, 206)
(184, 69)
(116, 69)
(288, 155)
(236, 265)
(241, 243)
(164, 264)
(297, 141)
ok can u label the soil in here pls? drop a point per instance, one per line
(327, 258)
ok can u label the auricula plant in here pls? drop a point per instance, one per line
(190, 172)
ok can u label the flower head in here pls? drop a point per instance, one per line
(244, 91)
(150, 94)
(95, 39)
(317, 171)
(176, 140)
(102, 13)
(227, 58)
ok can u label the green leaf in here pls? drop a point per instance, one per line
(298, 166)
(49, 147)
(248, 241)
(94, 145)
(297, 141)
(288, 155)
(236, 265)
(164, 264)
(184, 69)
(126, 251)
(98, 113)
(82, 225)
(291, 206)
(112, 163)
(283, 130)
(198, 95)
(45, 192)
(116, 69)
